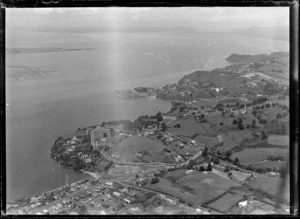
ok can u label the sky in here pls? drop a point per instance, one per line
(217, 19)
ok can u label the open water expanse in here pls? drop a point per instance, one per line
(79, 93)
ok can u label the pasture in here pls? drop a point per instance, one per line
(189, 127)
(250, 155)
(279, 140)
(196, 187)
(227, 201)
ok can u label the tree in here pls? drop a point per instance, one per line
(234, 122)
(227, 169)
(219, 106)
(240, 120)
(163, 126)
(236, 161)
(105, 135)
(240, 126)
(112, 131)
(154, 180)
(263, 136)
(268, 169)
(204, 153)
(228, 153)
(201, 168)
(191, 163)
(253, 125)
(260, 170)
(283, 130)
(209, 168)
(216, 160)
(159, 117)
(221, 123)
(271, 158)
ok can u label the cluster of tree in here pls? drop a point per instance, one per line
(229, 168)
(219, 106)
(276, 158)
(281, 115)
(239, 123)
(141, 89)
(177, 125)
(262, 121)
(148, 121)
(283, 97)
(271, 88)
(163, 126)
(275, 127)
(280, 170)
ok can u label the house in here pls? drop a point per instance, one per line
(116, 194)
(193, 142)
(220, 138)
(109, 184)
(189, 171)
(243, 203)
(272, 174)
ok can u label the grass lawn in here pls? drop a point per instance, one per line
(224, 203)
(196, 188)
(257, 154)
(189, 127)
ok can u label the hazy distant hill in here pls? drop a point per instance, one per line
(51, 29)
(242, 59)
(275, 33)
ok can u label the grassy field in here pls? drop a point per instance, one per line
(196, 188)
(239, 135)
(279, 139)
(227, 201)
(128, 148)
(205, 102)
(217, 119)
(270, 164)
(189, 127)
(271, 112)
(257, 154)
(271, 186)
